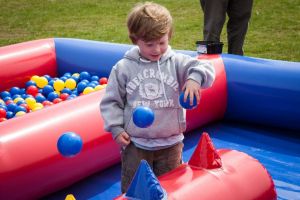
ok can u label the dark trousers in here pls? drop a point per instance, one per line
(239, 13)
(161, 161)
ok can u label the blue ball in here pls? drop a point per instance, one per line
(69, 144)
(143, 116)
(4, 94)
(186, 104)
(29, 83)
(14, 90)
(84, 76)
(52, 95)
(47, 89)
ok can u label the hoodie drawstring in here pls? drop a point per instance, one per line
(161, 79)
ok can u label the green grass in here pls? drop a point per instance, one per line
(274, 30)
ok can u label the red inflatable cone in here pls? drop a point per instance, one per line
(205, 155)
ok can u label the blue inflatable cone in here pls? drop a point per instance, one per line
(145, 185)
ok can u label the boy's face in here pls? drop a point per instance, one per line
(154, 49)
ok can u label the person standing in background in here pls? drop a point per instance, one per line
(239, 13)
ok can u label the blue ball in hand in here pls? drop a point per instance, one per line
(69, 144)
(186, 104)
(143, 116)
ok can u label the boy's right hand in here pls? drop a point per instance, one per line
(123, 139)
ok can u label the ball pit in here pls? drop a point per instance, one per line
(43, 91)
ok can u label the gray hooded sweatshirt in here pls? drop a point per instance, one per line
(135, 81)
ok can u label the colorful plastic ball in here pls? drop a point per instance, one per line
(2, 113)
(47, 77)
(20, 113)
(9, 115)
(41, 82)
(57, 100)
(186, 104)
(5, 99)
(3, 105)
(99, 87)
(58, 85)
(85, 76)
(70, 84)
(64, 96)
(103, 80)
(11, 107)
(67, 74)
(29, 83)
(24, 105)
(40, 98)
(30, 102)
(52, 96)
(47, 89)
(18, 99)
(20, 108)
(4, 94)
(9, 101)
(76, 75)
(47, 103)
(34, 78)
(81, 86)
(69, 144)
(66, 90)
(143, 116)
(21, 102)
(32, 90)
(88, 90)
(14, 90)
(37, 106)
(3, 119)
(95, 78)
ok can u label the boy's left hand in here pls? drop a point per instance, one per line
(191, 88)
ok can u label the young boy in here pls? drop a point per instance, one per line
(152, 75)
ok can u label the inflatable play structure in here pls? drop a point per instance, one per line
(251, 113)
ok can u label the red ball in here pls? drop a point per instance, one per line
(25, 106)
(103, 81)
(2, 119)
(47, 103)
(2, 113)
(57, 100)
(64, 96)
(32, 90)
(9, 101)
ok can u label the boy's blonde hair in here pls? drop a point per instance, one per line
(149, 21)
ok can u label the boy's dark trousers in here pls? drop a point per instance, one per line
(161, 161)
(239, 13)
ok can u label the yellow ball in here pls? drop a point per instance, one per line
(18, 99)
(88, 90)
(37, 106)
(41, 82)
(70, 83)
(99, 87)
(34, 78)
(20, 113)
(59, 85)
(76, 75)
(30, 102)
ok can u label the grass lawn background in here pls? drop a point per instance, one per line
(274, 29)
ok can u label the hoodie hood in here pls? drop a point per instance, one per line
(134, 55)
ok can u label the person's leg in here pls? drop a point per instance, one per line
(131, 157)
(239, 13)
(214, 18)
(168, 159)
